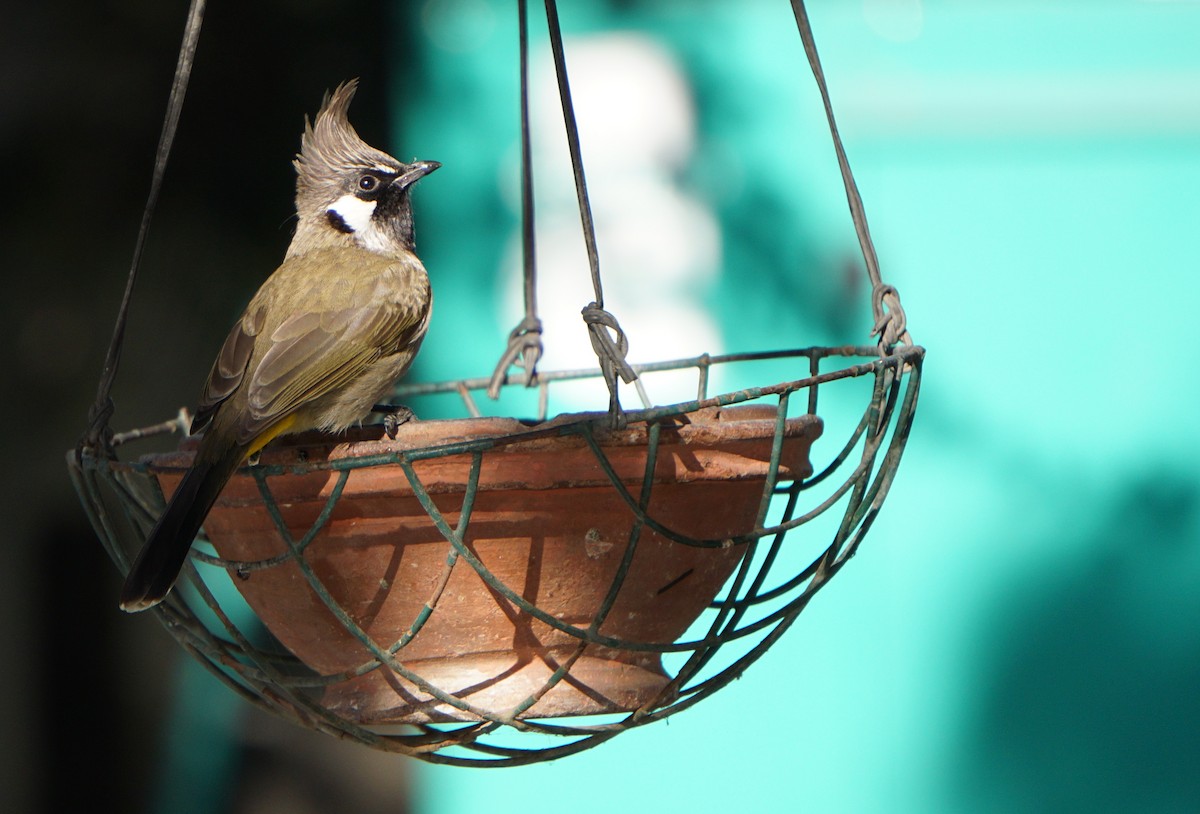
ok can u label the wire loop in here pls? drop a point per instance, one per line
(885, 299)
(525, 340)
(891, 324)
(98, 435)
(610, 352)
(524, 343)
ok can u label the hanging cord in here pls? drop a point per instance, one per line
(890, 323)
(98, 436)
(602, 325)
(525, 341)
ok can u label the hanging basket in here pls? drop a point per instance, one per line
(499, 592)
(418, 594)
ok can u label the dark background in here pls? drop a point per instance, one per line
(84, 90)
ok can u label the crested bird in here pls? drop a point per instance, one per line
(322, 341)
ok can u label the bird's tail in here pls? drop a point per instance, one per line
(158, 564)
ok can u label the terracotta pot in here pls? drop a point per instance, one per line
(546, 522)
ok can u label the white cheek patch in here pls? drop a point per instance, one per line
(354, 212)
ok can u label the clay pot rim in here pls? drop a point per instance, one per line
(434, 438)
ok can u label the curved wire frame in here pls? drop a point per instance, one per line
(768, 588)
(779, 567)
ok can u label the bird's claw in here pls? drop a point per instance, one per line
(393, 416)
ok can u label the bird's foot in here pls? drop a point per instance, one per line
(393, 416)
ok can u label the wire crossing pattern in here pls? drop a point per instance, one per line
(761, 598)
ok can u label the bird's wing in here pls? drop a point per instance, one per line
(310, 353)
(229, 368)
(314, 353)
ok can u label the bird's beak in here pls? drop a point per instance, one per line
(415, 172)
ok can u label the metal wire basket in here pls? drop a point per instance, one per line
(771, 575)
(426, 595)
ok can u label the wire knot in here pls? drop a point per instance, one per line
(891, 325)
(602, 326)
(98, 438)
(524, 343)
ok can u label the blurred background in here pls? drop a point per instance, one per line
(1021, 631)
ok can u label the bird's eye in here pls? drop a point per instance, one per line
(368, 183)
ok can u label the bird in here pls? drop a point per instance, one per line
(321, 342)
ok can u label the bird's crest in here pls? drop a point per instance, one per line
(330, 146)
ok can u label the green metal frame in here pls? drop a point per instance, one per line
(757, 605)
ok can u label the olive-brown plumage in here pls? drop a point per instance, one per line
(322, 341)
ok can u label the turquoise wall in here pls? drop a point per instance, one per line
(1021, 630)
